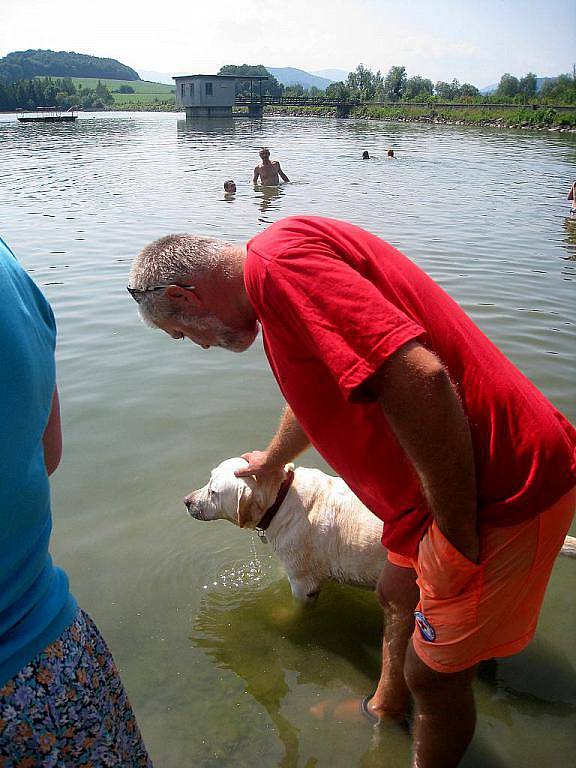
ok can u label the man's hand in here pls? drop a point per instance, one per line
(289, 441)
(258, 464)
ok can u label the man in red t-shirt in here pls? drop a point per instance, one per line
(470, 468)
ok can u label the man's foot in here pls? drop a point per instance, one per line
(377, 715)
(369, 714)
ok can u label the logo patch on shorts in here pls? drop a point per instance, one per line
(426, 629)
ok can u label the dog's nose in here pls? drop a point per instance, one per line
(189, 502)
(193, 508)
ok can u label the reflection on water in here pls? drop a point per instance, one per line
(221, 667)
(268, 198)
(267, 640)
(570, 237)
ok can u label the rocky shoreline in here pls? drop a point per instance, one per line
(427, 119)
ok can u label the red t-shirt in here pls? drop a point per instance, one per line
(334, 303)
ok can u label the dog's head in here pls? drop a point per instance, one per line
(242, 500)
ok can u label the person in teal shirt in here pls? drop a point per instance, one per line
(61, 700)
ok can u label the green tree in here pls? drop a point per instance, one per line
(444, 91)
(468, 90)
(363, 83)
(561, 89)
(418, 87)
(508, 86)
(103, 94)
(67, 85)
(339, 91)
(527, 85)
(294, 90)
(395, 83)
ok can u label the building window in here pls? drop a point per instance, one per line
(208, 89)
(191, 90)
(181, 90)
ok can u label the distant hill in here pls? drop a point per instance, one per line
(25, 65)
(291, 76)
(336, 75)
(284, 75)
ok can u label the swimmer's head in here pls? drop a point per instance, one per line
(365, 155)
(390, 153)
(229, 186)
(264, 153)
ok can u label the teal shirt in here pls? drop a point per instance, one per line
(35, 603)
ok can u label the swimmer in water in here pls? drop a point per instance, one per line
(268, 172)
(365, 155)
(572, 196)
(229, 187)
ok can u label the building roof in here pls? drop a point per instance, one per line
(225, 77)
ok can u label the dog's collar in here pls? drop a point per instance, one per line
(270, 513)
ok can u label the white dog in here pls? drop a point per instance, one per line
(319, 529)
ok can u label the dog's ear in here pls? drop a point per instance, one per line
(243, 504)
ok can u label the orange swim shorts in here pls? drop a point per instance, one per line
(469, 612)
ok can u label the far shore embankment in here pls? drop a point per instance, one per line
(544, 118)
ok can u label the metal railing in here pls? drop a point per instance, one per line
(327, 101)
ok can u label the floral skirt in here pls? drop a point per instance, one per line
(68, 708)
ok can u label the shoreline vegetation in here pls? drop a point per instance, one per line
(542, 119)
(370, 96)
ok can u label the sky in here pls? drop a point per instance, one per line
(475, 41)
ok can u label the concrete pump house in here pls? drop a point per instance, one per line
(209, 95)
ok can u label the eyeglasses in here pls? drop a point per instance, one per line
(138, 294)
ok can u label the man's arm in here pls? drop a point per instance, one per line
(52, 438)
(424, 411)
(281, 172)
(256, 174)
(289, 441)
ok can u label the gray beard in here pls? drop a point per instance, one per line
(227, 338)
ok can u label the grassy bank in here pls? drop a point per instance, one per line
(538, 119)
(146, 95)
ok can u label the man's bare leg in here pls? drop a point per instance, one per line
(398, 594)
(445, 714)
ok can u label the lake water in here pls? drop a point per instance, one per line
(221, 667)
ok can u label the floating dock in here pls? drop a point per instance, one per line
(47, 115)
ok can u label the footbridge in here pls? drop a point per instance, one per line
(256, 104)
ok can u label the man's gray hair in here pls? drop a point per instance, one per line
(173, 259)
